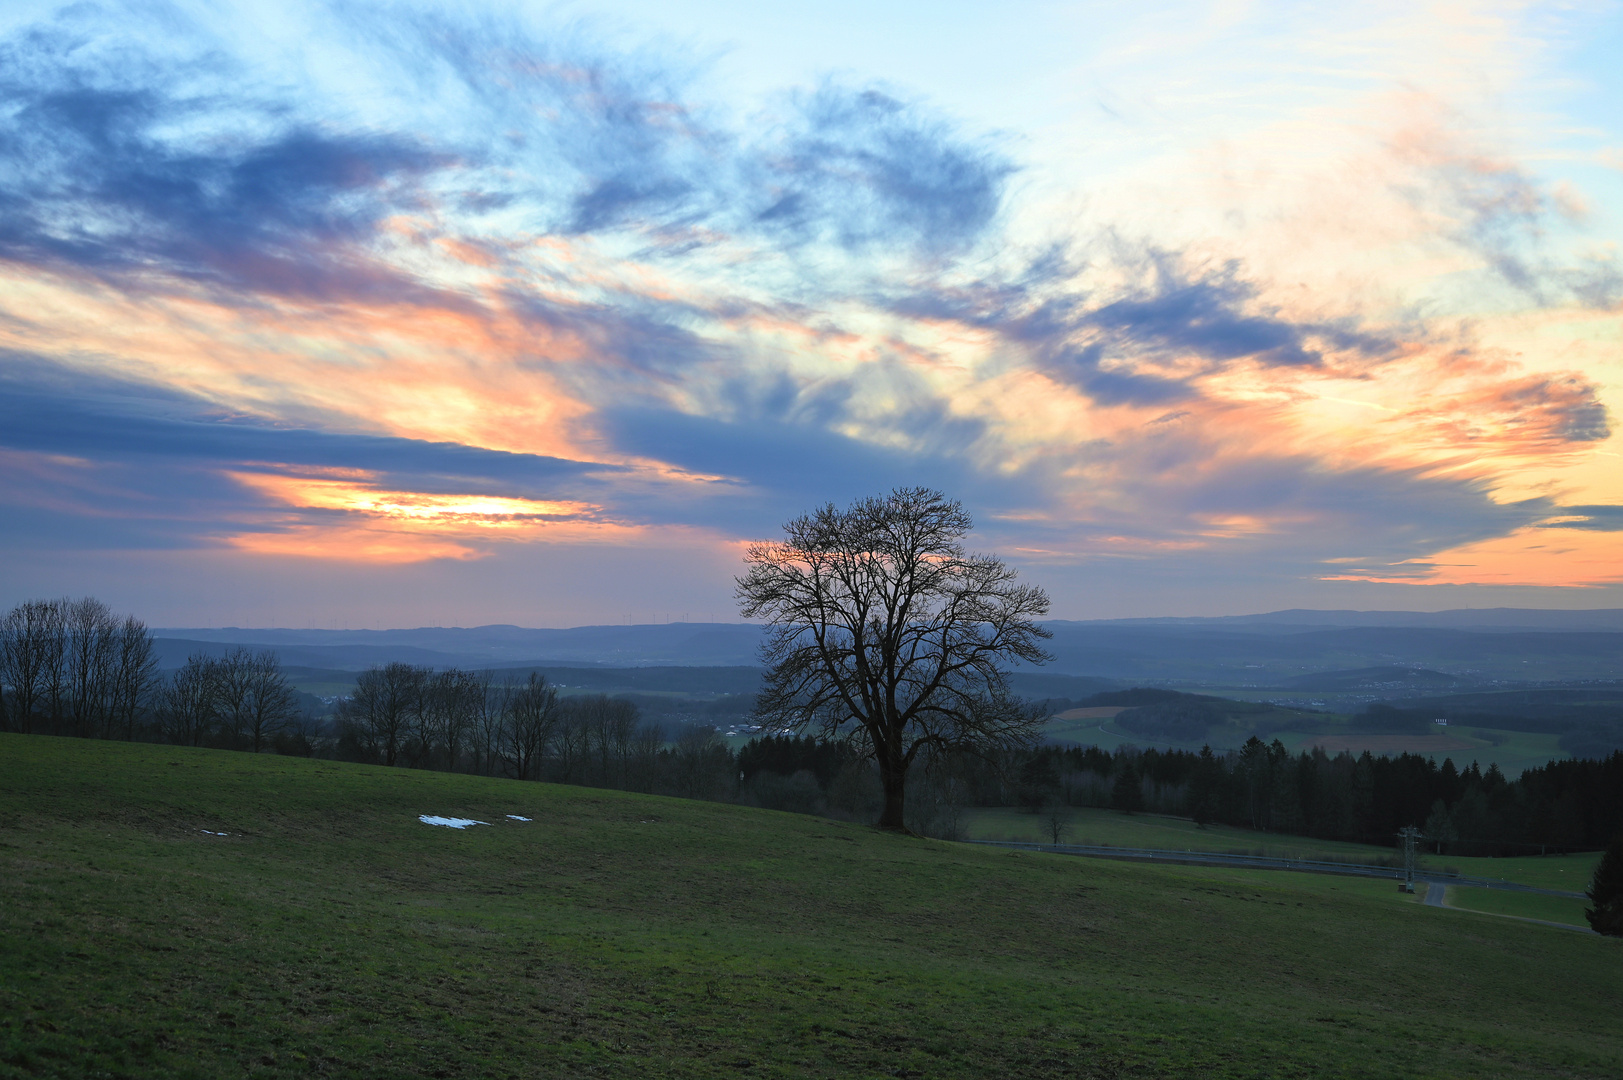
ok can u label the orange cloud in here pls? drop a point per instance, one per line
(350, 544)
(411, 507)
(1561, 558)
(389, 526)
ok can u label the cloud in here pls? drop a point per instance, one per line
(1534, 556)
(505, 270)
(863, 168)
(1591, 518)
(120, 168)
(51, 411)
(1493, 206)
(1150, 335)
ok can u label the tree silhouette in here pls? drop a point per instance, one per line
(1606, 892)
(886, 632)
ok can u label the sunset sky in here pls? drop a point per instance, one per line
(363, 315)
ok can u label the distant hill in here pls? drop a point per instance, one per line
(1478, 647)
(1481, 619)
(665, 644)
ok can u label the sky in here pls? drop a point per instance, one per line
(355, 315)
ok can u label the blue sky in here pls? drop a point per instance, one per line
(341, 315)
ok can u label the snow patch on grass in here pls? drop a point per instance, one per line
(449, 822)
(515, 817)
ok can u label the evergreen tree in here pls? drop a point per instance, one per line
(1606, 892)
(1128, 793)
(1203, 784)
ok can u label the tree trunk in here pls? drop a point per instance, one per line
(893, 778)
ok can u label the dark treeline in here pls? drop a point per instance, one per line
(1572, 805)
(1567, 805)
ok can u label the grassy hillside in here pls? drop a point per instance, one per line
(330, 933)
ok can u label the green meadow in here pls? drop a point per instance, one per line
(1091, 825)
(330, 933)
(1520, 905)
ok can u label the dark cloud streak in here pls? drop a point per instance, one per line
(107, 420)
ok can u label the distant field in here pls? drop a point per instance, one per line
(330, 933)
(1086, 732)
(1097, 712)
(1388, 745)
(1570, 873)
(1522, 905)
(1087, 825)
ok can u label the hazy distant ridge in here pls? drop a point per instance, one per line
(1499, 644)
(1590, 619)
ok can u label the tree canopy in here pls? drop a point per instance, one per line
(883, 630)
(1606, 892)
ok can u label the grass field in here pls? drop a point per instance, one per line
(1522, 905)
(1086, 825)
(329, 933)
(1570, 873)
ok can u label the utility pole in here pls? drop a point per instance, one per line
(1410, 834)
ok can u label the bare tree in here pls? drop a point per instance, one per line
(608, 727)
(530, 717)
(190, 701)
(883, 630)
(461, 696)
(571, 741)
(645, 747)
(134, 674)
(90, 632)
(486, 732)
(384, 705)
(269, 704)
(1058, 820)
(53, 641)
(232, 690)
(28, 635)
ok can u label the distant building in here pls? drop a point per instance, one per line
(1440, 722)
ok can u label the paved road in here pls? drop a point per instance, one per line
(1435, 893)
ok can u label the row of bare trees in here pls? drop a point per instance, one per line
(241, 699)
(403, 714)
(73, 667)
